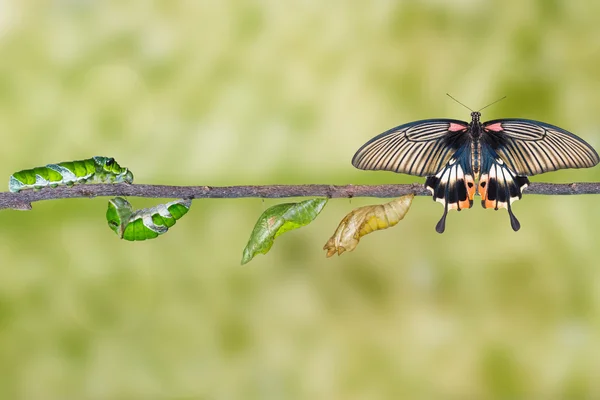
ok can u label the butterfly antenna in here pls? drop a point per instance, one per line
(502, 98)
(447, 94)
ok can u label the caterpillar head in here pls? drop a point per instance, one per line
(108, 165)
(126, 176)
(117, 215)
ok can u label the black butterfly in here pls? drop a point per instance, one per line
(454, 155)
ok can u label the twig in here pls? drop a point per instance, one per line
(23, 200)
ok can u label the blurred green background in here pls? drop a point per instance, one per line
(263, 92)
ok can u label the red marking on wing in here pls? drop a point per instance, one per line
(497, 127)
(454, 127)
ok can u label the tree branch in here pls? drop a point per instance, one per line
(23, 200)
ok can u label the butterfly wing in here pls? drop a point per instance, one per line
(531, 147)
(499, 186)
(420, 148)
(436, 148)
(453, 185)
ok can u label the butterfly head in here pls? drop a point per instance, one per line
(475, 115)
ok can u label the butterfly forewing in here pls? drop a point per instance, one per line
(419, 148)
(532, 147)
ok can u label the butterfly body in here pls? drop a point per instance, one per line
(460, 159)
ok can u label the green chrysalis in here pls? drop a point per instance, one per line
(93, 170)
(146, 223)
(280, 219)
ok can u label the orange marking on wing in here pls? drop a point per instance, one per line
(470, 187)
(464, 204)
(483, 186)
(489, 203)
(492, 204)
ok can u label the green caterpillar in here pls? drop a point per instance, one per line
(146, 223)
(93, 170)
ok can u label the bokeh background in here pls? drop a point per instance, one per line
(263, 92)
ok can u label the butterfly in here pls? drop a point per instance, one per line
(460, 159)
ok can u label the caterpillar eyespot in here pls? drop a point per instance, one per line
(146, 223)
(93, 170)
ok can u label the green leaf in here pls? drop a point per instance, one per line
(277, 220)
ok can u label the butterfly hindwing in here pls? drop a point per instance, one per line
(517, 148)
(453, 186)
(499, 186)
